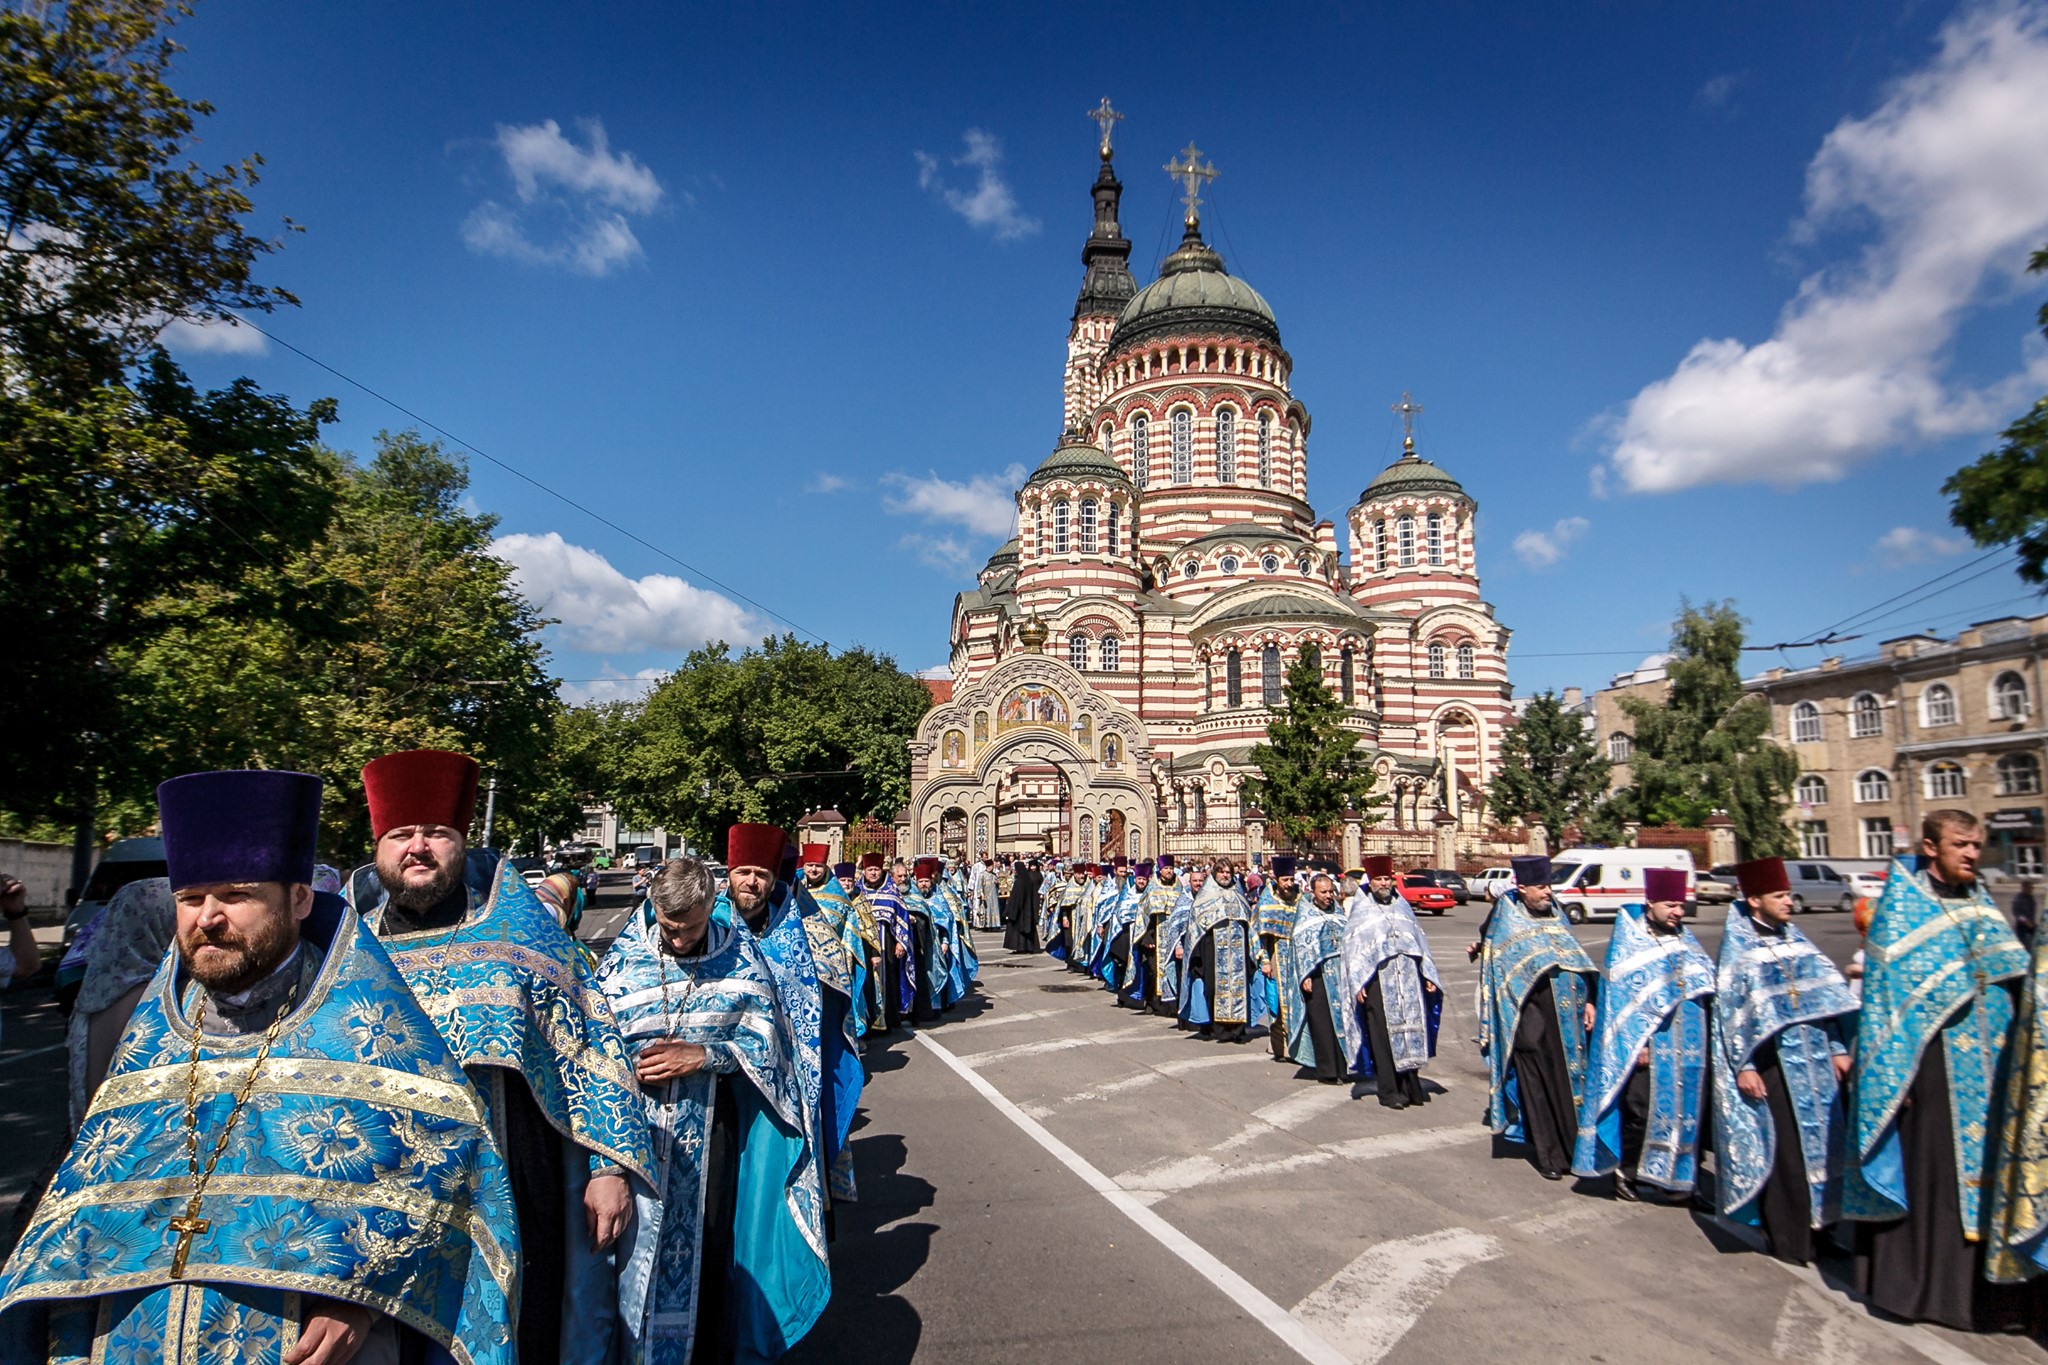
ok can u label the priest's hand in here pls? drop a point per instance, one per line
(1472, 951)
(332, 1333)
(607, 1208)
(1308, 985)
(1176, 954)
(660, 1063)
(1429, 988)
(1591, 1014)
(1265, 969)
(1843, 1061)
(901, 950)
(1750, 1083)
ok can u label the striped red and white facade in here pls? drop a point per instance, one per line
(1115, 663)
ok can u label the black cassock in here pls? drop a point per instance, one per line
(1202, 967)
(1396, 1089)
(1332, 1066)
(1544, 1077)
(1020, 913)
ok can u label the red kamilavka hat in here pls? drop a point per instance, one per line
(1761, 876)
(420, 787)
(1663, 884)
(1378, 865)
(754, 846)
(925, 867)
(868, 860)
(816, 853)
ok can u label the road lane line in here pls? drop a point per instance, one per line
(984, 1020)
(1175, 1174)
(1288, 1114)
(1270, 1315)
(1149, 1077)
(1556, 1222)
(1003, 1054)
(1368, 1306)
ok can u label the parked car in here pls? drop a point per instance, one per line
(1719, 885)
(1493, 881)
(1426, 895)
(1869, 884)
(125, 861)
(531, 869)
(1816, 886)
(1594, 883)
(1448, 879)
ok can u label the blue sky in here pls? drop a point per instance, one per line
(1700, 299)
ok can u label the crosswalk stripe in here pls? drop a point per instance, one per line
(1150, 1077)
(1185, 1173)
(1367, 1307)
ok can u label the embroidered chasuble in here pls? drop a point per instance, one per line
(1519, 953)
(895, 986)
(773, 1279)
(1218, 986)
(1060, 901)
(1386, 943)
(2019, 1177)
(1116, 910)
(361, 1168)
(1273, 924)
(1317, 943)
(1177, 932)
(1163, 915)
(1651, 995)
(841, 980)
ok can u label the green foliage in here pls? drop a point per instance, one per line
(1550, 767)
(1311, 770)
(1707, 745)
(2002, 498)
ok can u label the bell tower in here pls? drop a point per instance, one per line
(1106, 283)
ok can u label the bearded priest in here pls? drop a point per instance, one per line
(285, 1161)
(518, 1002)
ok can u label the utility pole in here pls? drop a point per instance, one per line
(490, 808)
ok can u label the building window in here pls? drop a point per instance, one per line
(1183, 430)
(1812, 791)
(1405, 533)
(1087, 526)
(1619, 747)
(1077, 650)
(2008, 697)
(1233, 679)
(1228, 564)
(1436, 659)
(1190, 569)
(1269, 675)
(2026, 860)
(1434, 538)
(1059, 528)
(1465, 669)
(1877, 836)
(1379, 542)
(1109, 531)
(1866, 716)
(1938, 705)
(1087, 836)
(1873, 784)
(1265, 450)
(1201, 809)
(1947, 781)
(1141, 449)
(1806, 723)
(1112, 653)
(2019, 775)
(1345, 687)
(1226, 446)
(1270, 563)
(1813, 838)
(1305, 563)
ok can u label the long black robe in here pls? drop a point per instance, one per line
(922, 1010)
(1549, 1115)
(1020, 912)
(1332, 1066)
(1397, 1089)
(1784, 1204)
(1202, 967)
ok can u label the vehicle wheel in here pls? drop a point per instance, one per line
(1439, 910)
(1576, 914)
(1798, 904)
(1848, 904)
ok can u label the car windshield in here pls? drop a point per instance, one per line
(1561, 873)
(108, 878)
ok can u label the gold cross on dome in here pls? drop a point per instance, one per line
(1109, 119)
(1408, 407)
(1193, 174)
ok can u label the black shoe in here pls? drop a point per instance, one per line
(1550, 1175)
(1625, 1190)
(1394, 1102)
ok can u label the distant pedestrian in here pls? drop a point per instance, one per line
(2025, 913)
(20, 959)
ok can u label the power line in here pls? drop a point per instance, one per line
(1858, 616)
(524, 477)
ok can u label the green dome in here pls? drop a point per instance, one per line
(1413, 476)
(1194, 294)
(1077, 460)
(1006, 553)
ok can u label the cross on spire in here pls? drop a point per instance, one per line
(1108, 118)
(1408, 407)
(1193, 174)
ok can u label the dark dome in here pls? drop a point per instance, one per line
(1195, 294)
(1411, 474)
(1076, 459)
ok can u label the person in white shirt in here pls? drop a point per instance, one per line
(20, 959)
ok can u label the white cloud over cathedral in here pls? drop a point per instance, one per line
(599, 608)
(570, 205)
(985, 504)
(989, 204)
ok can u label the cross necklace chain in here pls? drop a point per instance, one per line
(191, 1224)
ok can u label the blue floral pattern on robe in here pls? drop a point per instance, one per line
(2019, 1181)
(1517, 953)
(1274, 920)
(1318, 942)
(1386, 941)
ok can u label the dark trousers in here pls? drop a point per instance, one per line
(1331, 1063)
(1548, 1113)
(1635, 1123)
(1397, 1089)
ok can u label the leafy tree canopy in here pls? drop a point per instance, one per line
(2002, 498)
(1550, 767)
(1311, 768)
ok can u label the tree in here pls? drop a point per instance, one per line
(2002, 498)
(1707, 745)
(1550, 767)
(1311, 770)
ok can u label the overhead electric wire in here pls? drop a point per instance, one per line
(1856, 617)
(524, 477)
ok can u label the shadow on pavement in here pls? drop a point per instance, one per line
(876, 1253)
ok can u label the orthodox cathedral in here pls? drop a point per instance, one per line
(1115, 663)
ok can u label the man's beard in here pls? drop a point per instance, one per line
(424, 897)
(817, 881)
(244, 959)
(1288, 894)
(748, 903)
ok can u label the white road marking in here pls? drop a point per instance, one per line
(1367, 1307)
(1175, 1174)
(1002, 1054)
(1558, 1221)
(1814, 1332)
(1285, 1115)
(1161, 1072)
(1270, 1315)
(993, 1017)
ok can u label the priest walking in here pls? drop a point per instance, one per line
(1323, 1032)
(1393, 979)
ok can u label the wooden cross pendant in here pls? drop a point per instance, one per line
(187, 1227)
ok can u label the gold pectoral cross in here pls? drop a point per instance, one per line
(187, 1227)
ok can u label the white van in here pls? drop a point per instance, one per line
(1593, 883)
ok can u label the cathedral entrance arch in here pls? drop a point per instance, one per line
(953, 833)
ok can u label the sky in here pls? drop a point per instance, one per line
(1701, 301)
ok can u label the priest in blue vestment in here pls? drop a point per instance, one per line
(1218, 996)
(877, 903)
(726, 1258)
(1941, 967)
(517, 1000)
(1062, 893)
(2018, 1235)
(1081, 924)
(1120, 965)
(1322, 1031)
(932, 941)
(1536, 987)
(1147, 987)
(285, 1159)
(1397, 998)
(1646, 1068)
(1116, 906)
(841, 961)
(1273, 930)
(1784, 1024)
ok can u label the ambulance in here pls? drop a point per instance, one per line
(1593, 883)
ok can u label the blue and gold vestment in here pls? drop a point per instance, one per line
(1273, 920)
(842, 977)
(361, 1169)
(1318, 941)
(1387, 942)
(1518, 952)
(2019, 1177)
(1220, 912)
(1116, 909)
(1173, 910)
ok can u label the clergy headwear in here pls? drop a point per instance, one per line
(1120, 861)
(1165, 861)
(248, 825)
(1283, 865)
(868, 860)
(1761, 876)
(842, 869)
(1531, 870)
(1378, 865)
(1663, 884)
(1143, 868)
(754, 846)
(420, 787)
(925, 867)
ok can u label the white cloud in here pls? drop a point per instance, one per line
(1718, 92)
(614, 686)
(1541, 549)
(570, 204)
(1948, 171)
(985, 504)
(1903, 545)
(212, 336)
(991, 204)
(601, 609)
(821, 482)
(940, 552)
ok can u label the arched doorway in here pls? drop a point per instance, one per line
(1115, 829)
(953, 833)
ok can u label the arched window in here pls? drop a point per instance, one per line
(1946, 781)
(1866, 716)
(1812, 790)
(1620, 746)
(1434, 537)
(1269, 562)
(1806, 723)
(1183, 429)
(1112, 653)
(1269, 675)
(1201, 809)
(2019, 775)
(1405, 533)
(1233, 679)
(1436, 659)
(2008, 697)
(1109, 531)
(1059, 527)
(1265, 450)
(1141, 449)
(1087, 836)
(1379, 543)
(1873, 784)
(1077, 650)
(1345, 687)
(1226, 446)
(1938, 705)
(1191, 568)
(1087, 528)
(1306, 563)
(1228, 564)
(1465, 668)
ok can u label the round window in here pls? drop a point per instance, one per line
(1190, 569)
(1305, 564)
(1228, 563)
(1270, 563)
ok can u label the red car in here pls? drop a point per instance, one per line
(1425, 895)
